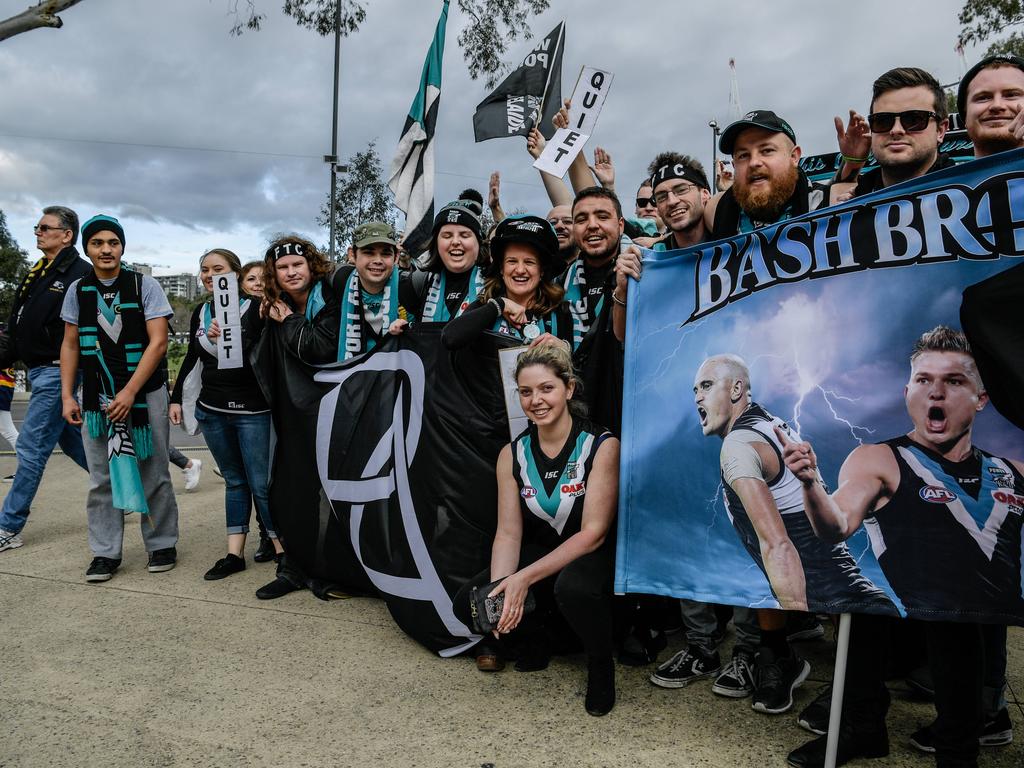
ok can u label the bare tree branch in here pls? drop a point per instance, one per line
(43, 14)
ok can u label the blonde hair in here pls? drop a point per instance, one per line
(555, 356)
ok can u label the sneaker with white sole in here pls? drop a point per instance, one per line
(192, 474)
(688, 665)
(9, 540)
(102, 569)
(775, 679)
(997, 732)
(737, 678)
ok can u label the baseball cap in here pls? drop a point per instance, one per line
(374, 232)
(759, 118)
(965, 81)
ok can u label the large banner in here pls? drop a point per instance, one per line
(803, 425)
(384, 478)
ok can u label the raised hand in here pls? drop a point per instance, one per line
(854, 138)
(799, 458)
(535, 143)
(494, 191)
(603, 169)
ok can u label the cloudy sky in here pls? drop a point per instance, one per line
(195, 139)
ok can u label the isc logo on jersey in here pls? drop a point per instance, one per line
(574, 489)
(528, 492)
(936, 494)
(1013, 502)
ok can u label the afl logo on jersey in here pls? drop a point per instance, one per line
(528, 492)
(936, 494)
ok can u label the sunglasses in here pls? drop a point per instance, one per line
(44, 228)
(643, 202)
(912, 120)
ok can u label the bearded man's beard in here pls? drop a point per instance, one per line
(767, 204)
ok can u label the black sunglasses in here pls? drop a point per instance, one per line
(44, 228)
(912, 120)
(643, 202)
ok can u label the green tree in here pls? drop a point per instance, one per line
(13, 266)
(983, 19)
(362, 195)
(492, 26)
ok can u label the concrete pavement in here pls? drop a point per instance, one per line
(170, 670)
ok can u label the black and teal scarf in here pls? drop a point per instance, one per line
(577, 298)
(534, 327)
(111, 338)
(350, 339)
(435, 308)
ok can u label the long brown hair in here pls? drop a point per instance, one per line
(319, 265)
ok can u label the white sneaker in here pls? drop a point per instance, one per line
(9, 540)
(192, 474)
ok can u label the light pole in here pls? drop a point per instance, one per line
(713, 125)
(333, 157)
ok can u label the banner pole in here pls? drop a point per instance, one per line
(838, 684)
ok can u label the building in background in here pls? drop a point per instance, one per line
(183, 286)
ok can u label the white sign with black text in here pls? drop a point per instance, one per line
(587, 99)
(225, 312)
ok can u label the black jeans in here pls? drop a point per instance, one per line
(956, 660)
(581, 594)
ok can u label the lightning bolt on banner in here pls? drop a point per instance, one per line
(412, 171)
(873, 347)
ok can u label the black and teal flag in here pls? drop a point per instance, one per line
(412, 170)
(528, 97)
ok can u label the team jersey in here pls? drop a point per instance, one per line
(834, 581)
(950, 534)
(552, 490)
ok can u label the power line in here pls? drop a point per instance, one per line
(180, 148)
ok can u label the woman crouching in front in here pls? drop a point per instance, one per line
(557, 495)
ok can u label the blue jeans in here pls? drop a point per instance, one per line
(43, 428)
(240, 444)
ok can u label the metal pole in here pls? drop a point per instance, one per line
(838, 684)
(713, 125)
(334, 124)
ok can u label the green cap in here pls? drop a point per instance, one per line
(374, 232)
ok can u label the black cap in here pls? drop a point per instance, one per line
(961, 92)
(528, 230)
(759, 118)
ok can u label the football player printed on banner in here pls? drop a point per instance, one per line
(765, 503)
(943, 516)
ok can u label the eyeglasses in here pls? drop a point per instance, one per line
(643, 202)
(679, 190)
(44, 228)
(912, 120)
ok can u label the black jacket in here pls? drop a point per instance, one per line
(35, 323)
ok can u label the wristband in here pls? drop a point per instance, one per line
(617, 300)
(498, 304)
(848, 159)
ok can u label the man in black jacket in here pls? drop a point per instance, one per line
(37, 332)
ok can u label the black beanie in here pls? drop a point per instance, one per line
(100, 223)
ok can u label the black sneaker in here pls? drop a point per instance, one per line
(600, 686)
(102, 568)
(225, 567)
(688, 665)
(162, 559)
(737, 678)
(775, 679)
(852, 745)
(803, 626)
(814, 717)
(997, 732)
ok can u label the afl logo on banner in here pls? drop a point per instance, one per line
(528, 492)
(936, 494)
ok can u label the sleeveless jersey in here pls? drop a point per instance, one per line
(834, 581)
(552, 491)
(950, 535)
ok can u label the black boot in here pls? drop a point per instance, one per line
(600, 686)
(288, 580)
(265, 551)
